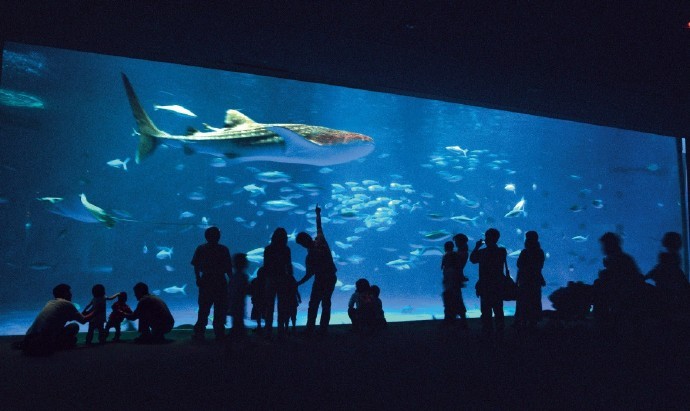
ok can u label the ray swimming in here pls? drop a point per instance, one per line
(242, 139)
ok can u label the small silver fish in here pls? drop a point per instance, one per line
(175, 108)
(117, 163)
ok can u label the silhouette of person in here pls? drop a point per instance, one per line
(155, 319)
(97, 306)
(379, 317)
(238, 288)
(619, 283)
(211, 263)
(258, 290)
(454, 280)
(319, 264)
(668, 276)
(359, 308)
(450, 267)
(463, 254)
(529, 281)
(48, 332)
(278, 268)
(115, 319)
(294, 299)
(491, 260)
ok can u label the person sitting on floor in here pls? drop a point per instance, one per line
(379, 318)
(359, 308)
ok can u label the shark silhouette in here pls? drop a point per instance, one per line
(242, 139)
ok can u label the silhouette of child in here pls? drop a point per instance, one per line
(256, 290)
(294, 300)
(98, 308)
(115, 319)
(359, 307)
(379, 319)
(238, 288)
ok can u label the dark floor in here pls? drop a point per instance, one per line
(409, 366)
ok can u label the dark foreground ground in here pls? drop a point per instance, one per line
(409, 366)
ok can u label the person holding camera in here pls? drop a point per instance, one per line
(491, 260)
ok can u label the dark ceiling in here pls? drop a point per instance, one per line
(623, 64)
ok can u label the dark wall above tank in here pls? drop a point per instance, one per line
(623, 64)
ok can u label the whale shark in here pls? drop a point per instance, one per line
(243, 139)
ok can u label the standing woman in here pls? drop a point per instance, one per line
(278, 269)
(529, 281)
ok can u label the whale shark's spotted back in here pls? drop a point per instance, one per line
(246, 140)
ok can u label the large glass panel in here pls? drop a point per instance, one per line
(437, 169)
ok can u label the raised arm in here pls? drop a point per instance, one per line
(474, 256)
(114, 296)
(319, 229)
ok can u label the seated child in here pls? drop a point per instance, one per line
(97, 307)
(256, 290)
(116, 318)
(359, 307)
(379, 319)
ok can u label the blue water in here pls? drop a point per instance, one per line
(576, 180)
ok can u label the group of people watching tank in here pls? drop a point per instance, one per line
(620, 288)
(224, 284)
(274, 281)
(493, 285)
(54, 328)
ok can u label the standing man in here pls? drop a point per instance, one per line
(212, 263)
(319, 264)
(491, 261)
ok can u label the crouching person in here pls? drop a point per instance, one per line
(155, 319)
(359, 309)
(48, 331)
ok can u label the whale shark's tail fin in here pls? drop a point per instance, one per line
(147, 130)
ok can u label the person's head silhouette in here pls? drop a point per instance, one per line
(212, 235)
(448, 246)
(362, 285)
(63, 291)
(279, 237)
(672, 241)
(375, 291)
(491, 236)
(531, 239)
(304, 240)
(98, 290)
(122, 297)
(460, 241)
(140, 290)
(610, 243)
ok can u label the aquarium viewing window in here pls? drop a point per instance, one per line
(89, 195)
